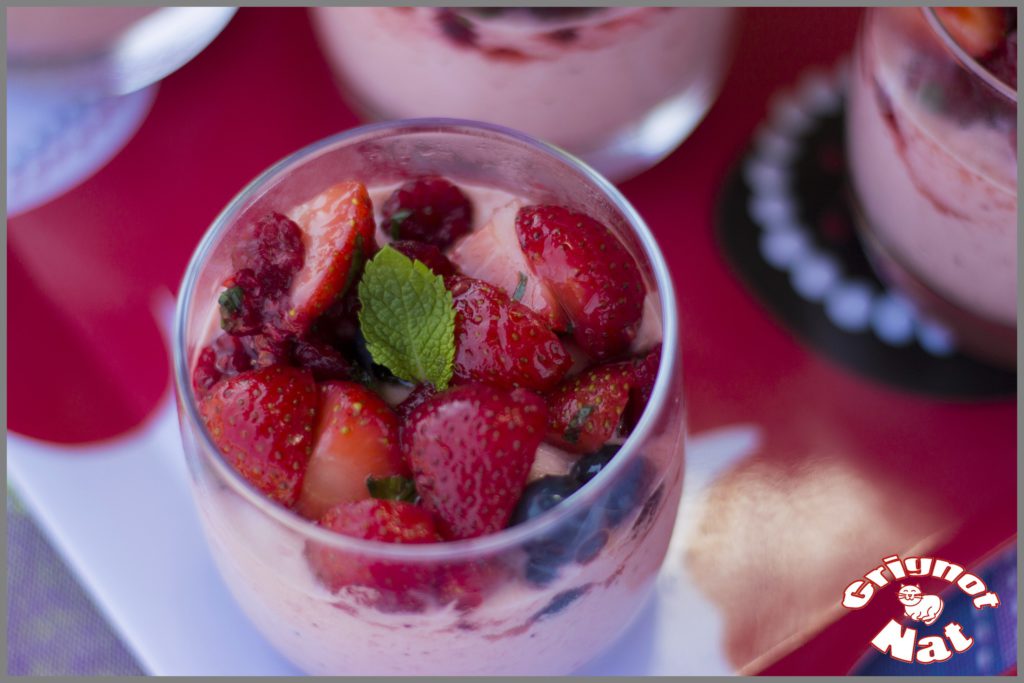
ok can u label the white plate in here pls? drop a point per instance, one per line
(122, 516)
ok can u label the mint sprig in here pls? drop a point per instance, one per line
(407, 318)
(392, 488)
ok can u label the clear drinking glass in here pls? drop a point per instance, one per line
(106, 50)
(619, 87)
(932, 144)
(474, 611)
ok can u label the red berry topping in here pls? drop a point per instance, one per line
(339, 233)
(591, 274)
(430, 210)
(420, 394)
(492, 254)
(262, 421)
(265, 264)
(378, 520)
(501, 341)
(355, 437)
(427, 254)
(471, 449)
(645, 371)
(226, 356)
(587, 409)
(322, 359)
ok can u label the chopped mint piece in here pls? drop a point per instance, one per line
(407, 319)
(230, 301)
(572, 432)
(397, 218)
(520, 288)
(392, 488)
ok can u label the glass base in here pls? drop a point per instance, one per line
(647, 142)
(978, 337)
(629, 153)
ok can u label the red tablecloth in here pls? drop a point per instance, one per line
(845, 465)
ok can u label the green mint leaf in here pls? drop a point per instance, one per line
(520, 288)
(397, 218)
(392, 488)
(572, 432)
(407, 318)
(231, 299)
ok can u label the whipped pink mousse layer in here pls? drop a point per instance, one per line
(576, 82)
(63, 32)
(940, 194)
(517, 629)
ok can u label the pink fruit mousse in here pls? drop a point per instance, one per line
(579, 78)
(551, 358)
(933, 153)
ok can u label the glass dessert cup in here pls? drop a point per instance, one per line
(932, 140)
(515, 609)
(106, 50)
(619, 87)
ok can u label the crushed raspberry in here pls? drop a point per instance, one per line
(430, 210)
(322, 359)
(226, 356)
(427, 254)
(254, 297)
(455, 27)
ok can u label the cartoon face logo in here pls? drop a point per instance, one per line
(918, 606)
(909, 595)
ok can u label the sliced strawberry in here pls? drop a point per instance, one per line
(338, 232)
(471, 449)
(502, 342)
(978, 30)
(592, 275)
(587, 409)
(645, 371)
(428, 209)
(493, 254)
(427, 254)
(262, 421)
(355, 437)
(389, 521)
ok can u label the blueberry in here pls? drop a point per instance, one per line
(628, 492)
(560, 602)
(580, 534)
(587, 467)
(542, 495)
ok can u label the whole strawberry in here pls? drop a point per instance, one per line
(262, 421)
(594, 278)
(471, 449)
(587, 409)
(501, 341)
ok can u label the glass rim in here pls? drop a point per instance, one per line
(967, 61)
(503, 539)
